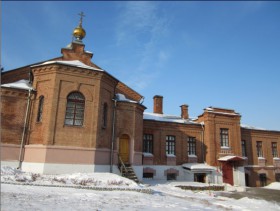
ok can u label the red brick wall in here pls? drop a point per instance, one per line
(181, 132)
(13, 107)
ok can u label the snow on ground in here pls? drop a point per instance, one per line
(9, 174)
(165, 196)
(274, 185)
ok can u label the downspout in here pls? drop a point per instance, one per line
(113, 133)
(202, 147)
(24, 129)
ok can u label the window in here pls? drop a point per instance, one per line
(171, 176)
(148, 175)
(191, 146)
(259, 149)
(274, 149)
(224, 137)
(148, 143)
(170, 145)
(104, 117)
(244, 151)
(262, 180)
(75, 109)
(40, 109)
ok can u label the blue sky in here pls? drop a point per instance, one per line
(221, 54)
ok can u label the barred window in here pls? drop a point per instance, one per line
(40, 109)
(274, 149)
(75, 109)
(224, 137)
(191, 146)
(148, 143)
(244, 150)
(170, 145)
(259, 149)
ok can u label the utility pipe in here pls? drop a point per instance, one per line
(113, 136)
(24, 128)
(203, 153)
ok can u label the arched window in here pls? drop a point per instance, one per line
(40, 109)
(75, 109)
(104, 116)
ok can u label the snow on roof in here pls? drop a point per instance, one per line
(230, 157)
(21, 84)
(74, 63)
(121, 97)
(209, 109)
(198, 167)
(227, 113)
(167, 118)
(251, 127)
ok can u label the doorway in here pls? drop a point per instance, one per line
(247, 179)
(200, 177)
(227, 172)
(124, 148)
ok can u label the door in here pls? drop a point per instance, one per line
(227, 173)
(199, 177)
(124, 148)
(247, 179)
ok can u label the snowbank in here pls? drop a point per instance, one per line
(274, 185)
(9, 174)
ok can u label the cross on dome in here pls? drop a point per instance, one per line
(81, 18)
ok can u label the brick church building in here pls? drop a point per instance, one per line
(67, 115)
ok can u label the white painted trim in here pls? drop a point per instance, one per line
(184, 174)
(54, 168)
(13, 164)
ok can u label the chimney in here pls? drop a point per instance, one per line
(158, 104)
(184, 111)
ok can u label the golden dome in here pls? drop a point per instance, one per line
(79, 33)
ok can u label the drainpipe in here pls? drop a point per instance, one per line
(113, 135)
(24, 129)
(202, 147)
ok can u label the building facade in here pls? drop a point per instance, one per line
(68, 115)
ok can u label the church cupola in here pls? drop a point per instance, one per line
(79, 33)
(76, 49)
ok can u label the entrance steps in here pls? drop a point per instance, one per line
(128, 172)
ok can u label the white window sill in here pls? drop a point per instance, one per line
(146, 154)
(170, 155)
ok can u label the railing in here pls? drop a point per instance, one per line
(122, 166)
(226, 151)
